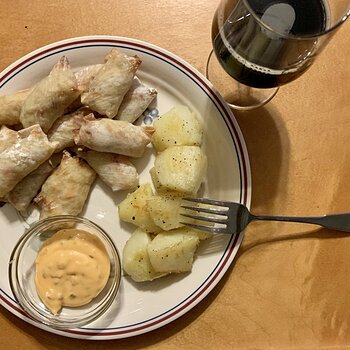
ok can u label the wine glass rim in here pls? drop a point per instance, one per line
(299, 37)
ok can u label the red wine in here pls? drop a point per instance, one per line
(259, 57)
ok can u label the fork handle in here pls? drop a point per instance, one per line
(339, 222)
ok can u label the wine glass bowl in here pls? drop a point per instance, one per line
(260, 45)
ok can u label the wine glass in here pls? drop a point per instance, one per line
(259, 45)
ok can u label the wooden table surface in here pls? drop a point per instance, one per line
(289, 286)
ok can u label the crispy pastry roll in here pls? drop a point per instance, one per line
(31, 149)
(65, 191)
(86, 75)
(63, 129)
(115, 170)
(50, 97)
(114, 136)
(24, 192)
(106, 91)
(7, 137)
(136, 100)
(10, 107)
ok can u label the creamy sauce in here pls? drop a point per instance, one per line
(72, 268)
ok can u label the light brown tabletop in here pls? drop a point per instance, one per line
(289, 286)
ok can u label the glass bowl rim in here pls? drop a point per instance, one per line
(24, 301)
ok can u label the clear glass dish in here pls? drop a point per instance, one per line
(22, 274)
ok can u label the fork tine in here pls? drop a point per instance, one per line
(206, 210)
(206, 201)
(206, 228)
(205, 218)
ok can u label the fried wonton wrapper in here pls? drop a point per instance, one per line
(24, 192)
(111, 83)
(66, 189)
(136, 100)
(86, 75)
(31, 149)
(114, 136)
(10, 107)
(50, 97)
(115, 170)
(63, 129)
(7, 137)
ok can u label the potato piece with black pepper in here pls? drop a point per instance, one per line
(181, 168)
(133, 209)
(173, 251)
(178, 127)
(157, 185)
(165, 210)
(136, 262)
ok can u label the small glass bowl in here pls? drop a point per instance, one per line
(22, 274)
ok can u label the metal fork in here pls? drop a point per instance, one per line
(235, 217)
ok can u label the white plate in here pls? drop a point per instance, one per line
(140, 308)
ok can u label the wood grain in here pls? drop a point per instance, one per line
(289, 287)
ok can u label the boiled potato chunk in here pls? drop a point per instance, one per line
(133, 209)
(181, 168)
(173, 251)
(136, 262)
(157, 185)
(165, 210)
(202, 235)
(178, 127)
